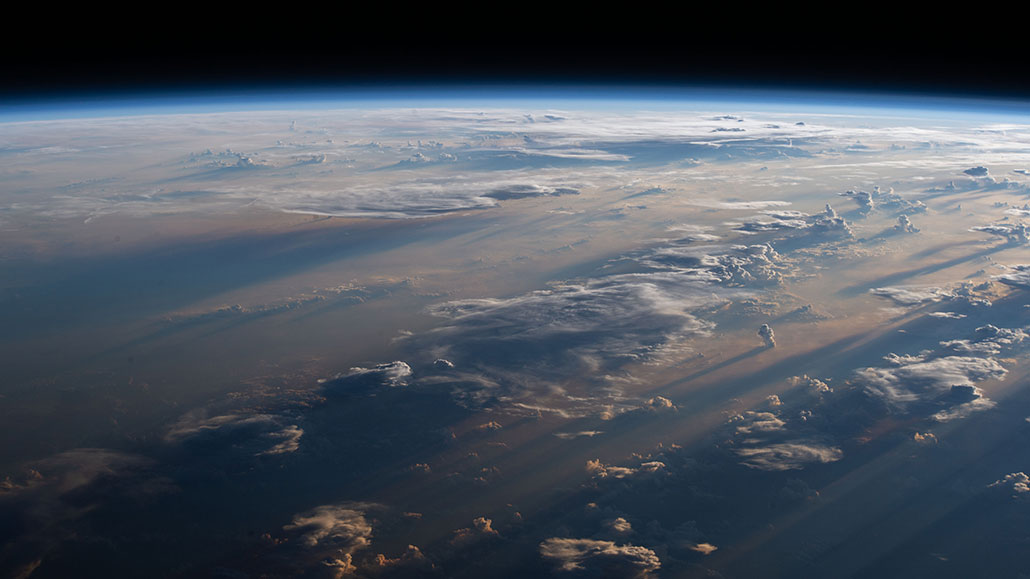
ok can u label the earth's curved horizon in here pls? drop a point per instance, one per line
(515, 332)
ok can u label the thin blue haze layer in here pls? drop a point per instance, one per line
(607, 97)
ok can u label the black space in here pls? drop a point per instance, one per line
(951, 54)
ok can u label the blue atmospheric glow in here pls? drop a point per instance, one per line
(609, 97)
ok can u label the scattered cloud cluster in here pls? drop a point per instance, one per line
(826, 223)
(736, 265)
(571, 328)
(1017, 482)
(779, 436)
(302, 171)
(329, 537)
(884, 201)
(588, 327)
(942, 381)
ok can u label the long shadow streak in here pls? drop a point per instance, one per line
(902, 275)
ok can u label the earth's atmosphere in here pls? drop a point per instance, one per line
(516, 338)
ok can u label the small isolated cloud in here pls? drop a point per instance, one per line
(599, 558)
(927, 438)
(420, 468)
(1018, 276)
(412, 562)
(580, 434)
(829, 222)
(286, 440)
(752, 204)
(806, 313)
(488, 427)
(1014, 233)
(263, 434)
(391, 374)
(691, 233)
(863, 198)
(911, 295)
(481, 528)
(522, 191)
(765, 225)
(980, 171)
(904, 225)
(599, 470)
(946, 315)
(685, 537)
(703, 548)
(766, 333)
(341, 529)
(814, 385)
(659, 403)
(792, 455)
(785, 214)
(751, 422)
(1023, 211)
(619, 526)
